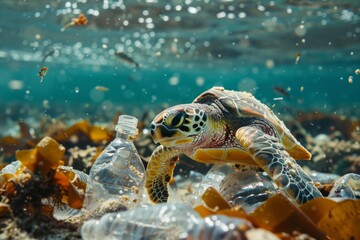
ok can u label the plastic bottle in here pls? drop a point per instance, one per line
(164, 221)
(161, 221)
(118, 173)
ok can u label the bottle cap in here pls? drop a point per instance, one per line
(127, 124)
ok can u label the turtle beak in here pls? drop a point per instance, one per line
(168, 137)
(155, 133)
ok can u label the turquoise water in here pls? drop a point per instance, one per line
(182, 48)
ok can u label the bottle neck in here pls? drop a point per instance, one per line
(122, 135)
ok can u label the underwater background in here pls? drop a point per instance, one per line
(292, 55)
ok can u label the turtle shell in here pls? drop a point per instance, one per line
(239, 105)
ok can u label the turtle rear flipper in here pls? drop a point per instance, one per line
(271, 155)
(159, 173)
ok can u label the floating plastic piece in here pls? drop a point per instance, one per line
(118, 171)
(247, 189)
(324, 178)
(282, 215)
(161, 221)
(348, 186)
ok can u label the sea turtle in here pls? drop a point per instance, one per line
(223, 126)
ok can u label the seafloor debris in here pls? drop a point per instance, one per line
(38, 183)
(319, 218)
(332, 140)
(84, 141)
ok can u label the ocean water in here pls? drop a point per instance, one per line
(311, 49)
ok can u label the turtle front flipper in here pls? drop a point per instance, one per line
(159, 172)
(270, 154)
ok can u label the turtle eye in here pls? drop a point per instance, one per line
(176, 119)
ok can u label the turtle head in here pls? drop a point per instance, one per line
(178, 125)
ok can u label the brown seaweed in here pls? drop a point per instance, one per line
(40, 177)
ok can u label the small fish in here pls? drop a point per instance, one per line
(102, 88)
(47, 54)
(42, 73)
(281, 91)
(297, 58)
(125, 58)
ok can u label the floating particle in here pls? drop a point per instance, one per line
(269, 63)
(278, 98)
(297, 58)
(200, 81)
(16, 85)
(102, 88)
(46, 104)
(80, 20)
(357, 71)
(42, 73)
(350, 79)
(174, 80)
(300, 30)
(301, 88)
(158, 54)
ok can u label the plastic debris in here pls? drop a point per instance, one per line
(213, 179)
(221, 227)
(37, 183)
(118, 172)
(324, 178)
(348, 186)
(165, 221)
(161, 221)
(247, 189)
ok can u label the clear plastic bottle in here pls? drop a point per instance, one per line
(118, 173)
(161, 221)
(177, 221)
